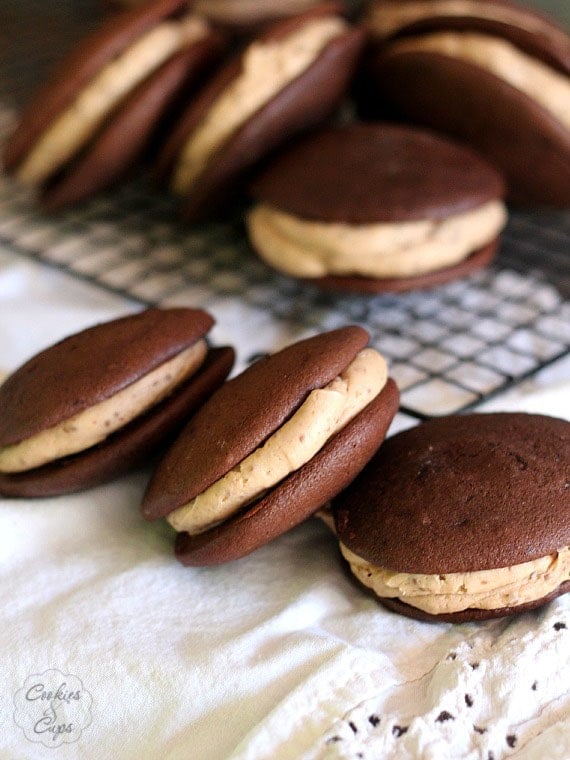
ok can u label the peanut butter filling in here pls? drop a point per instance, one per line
(454, 592)
(267, 68)
(96, 423)
(325, 411)
(384, 250)
(72, 129)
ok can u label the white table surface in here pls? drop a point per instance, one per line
(278, 655)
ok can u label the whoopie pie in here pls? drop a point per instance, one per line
(273, 445)
(105, 400)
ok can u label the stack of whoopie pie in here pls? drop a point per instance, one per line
(460, 518)
(143, 81)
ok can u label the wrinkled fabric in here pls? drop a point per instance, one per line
(278, 655)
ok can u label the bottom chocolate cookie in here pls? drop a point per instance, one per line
(478, 260)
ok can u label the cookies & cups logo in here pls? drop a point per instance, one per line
(52, 708)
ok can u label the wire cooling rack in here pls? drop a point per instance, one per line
(448, 348)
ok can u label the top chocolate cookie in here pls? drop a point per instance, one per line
(364, 173)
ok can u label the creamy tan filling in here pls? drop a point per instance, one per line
(386, 18)
(324, 412)
(454, 592)
(547, 87)
(249, 11)
(266, 69)
(71, 130)
(93, 425)
(315, 249)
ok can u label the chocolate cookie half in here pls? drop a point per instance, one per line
(273, 445)
(372, 208)
(285, 81)
(489, 72)
(96, 116)
(105, 400)
(463, 518)
(243, 15)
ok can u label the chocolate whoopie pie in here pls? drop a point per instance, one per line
(376, 207)
(273, 445)
(488, 72)
(463, 518)
(288, 79)
(104, 400)
(96, 116)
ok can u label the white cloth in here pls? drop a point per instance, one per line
(278, 655)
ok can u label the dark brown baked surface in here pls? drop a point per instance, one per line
(244, 412)
(301, 494)
(364, 173)
(92, 365)
(462, 494)
(462, 100)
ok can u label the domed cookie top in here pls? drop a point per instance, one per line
(364, 173)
